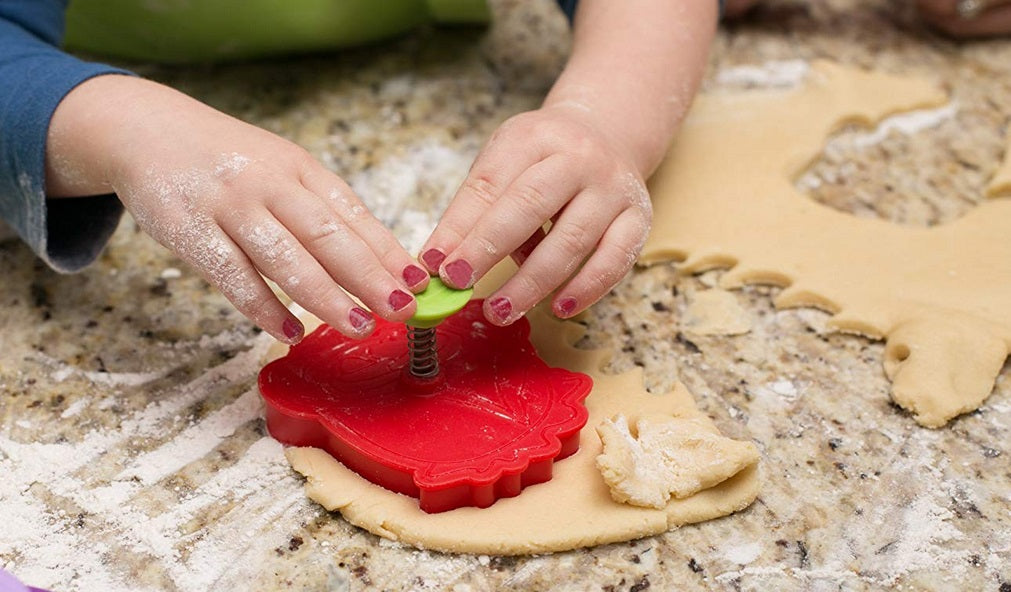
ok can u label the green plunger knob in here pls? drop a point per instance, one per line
(437, 302)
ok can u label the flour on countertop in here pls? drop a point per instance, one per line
(408, 191)
(74, 408)
(784, 387)
(743, 553)
(63, 372)
(47, 487)
(894, 540)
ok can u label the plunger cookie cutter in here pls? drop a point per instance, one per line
(437, 302)
(465, 414)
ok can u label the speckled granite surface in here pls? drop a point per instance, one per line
(133, 457)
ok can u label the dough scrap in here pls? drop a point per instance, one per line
(715, 312)
(573, 510)
(667, 457)
(724, 198)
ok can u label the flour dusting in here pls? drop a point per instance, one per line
(270, 242)
(180, 218)
(48, 487)
(907, 123)
(408, 191)
(230, 165)
(771, 74)
(171, 273)
(743, 553)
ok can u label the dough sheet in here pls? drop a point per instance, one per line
(725, 198)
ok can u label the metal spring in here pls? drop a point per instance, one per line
(424, 357)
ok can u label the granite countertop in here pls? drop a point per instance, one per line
(133, 455)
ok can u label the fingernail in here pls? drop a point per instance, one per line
(399, 299)
(414, 275)
(501, 307)
(361, 319)
(293, 330)
(460, 274)
(433, 258)
(564, 307)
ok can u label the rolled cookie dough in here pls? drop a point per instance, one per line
(724, 197)
(574, 509)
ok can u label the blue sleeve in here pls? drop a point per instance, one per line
(569, 8)
(35, 75)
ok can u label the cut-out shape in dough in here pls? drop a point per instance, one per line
(493, 421)
(667, 457)
(724, 197)
(574, 509)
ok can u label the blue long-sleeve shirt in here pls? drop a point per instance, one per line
(35, 75)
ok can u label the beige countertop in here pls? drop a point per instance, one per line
(133, 455)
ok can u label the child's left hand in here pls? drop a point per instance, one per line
(554, 164)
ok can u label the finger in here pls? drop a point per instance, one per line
(277, 254)
(615, 255)
(347, 206)
(568, 243)
(344, 254)
(530, 201)
(222, 263)
(494, 169)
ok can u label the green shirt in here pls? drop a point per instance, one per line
(181, 31)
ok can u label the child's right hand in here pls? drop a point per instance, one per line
(235, 202)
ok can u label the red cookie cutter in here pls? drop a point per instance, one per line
(492, 422)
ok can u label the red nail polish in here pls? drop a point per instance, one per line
(433, 258)
(460, 274)
(501, 307)
(414, 275)
(360, 319)
(399, 299)
(292, 329)
(565, 307)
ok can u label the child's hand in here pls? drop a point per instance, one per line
(578, 162)
(555, 164)
(236, 201)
